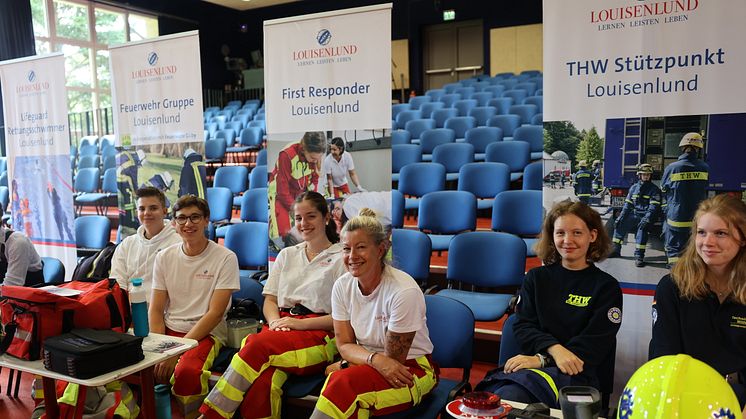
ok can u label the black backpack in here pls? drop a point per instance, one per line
(95, 267)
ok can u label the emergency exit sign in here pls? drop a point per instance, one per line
(449, 15)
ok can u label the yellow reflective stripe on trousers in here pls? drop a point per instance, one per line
(198, 179)
(384, 398)
(677, 177)
(680, 224)
(189, 400)
(549, 380)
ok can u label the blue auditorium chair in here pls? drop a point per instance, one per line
(398, 108)
(212, 109)
(261, 157)
(501, 104)
(411, 253)
(534, 136)
(89, 140)
(92, 233)
(433, 138)
(442, 115)
(234, 103)
(53, 270)
(235, 178)
(88, 150)
(86, 185)
(452, 156)
(427, 109)
(89, 161)
(484, 180)
(397, 209)
(449, 99)
(465, 92)
(258, 177)
(526, 112)
(451, 87)
(445, 214)
(519, 212)
(532, 176)
(212, 128)
(417, 126)
(464, 106)
(405, 116)
(215, 151)
(516, 154)
(482, 114)
(220, 201)
(435, 94)
(259, 123)
(250, 242)
(509, 84)
(417, 101)
(489, 260)
(507, 123)
(236, 126)
(482, 98)
(538, 119)
(418, 179)
(497, 91)
(220, 120)
(460, 125)
(505, 75)
(402, 155)
(481, 85)
(539, 92)
(529, 87)
(106, 141)
(481, 137)
(250, 139)
(518, 95)
(535, 100)
(400, 136)
(532, 73)
(470, 82)
(227, 135)
(255, 205)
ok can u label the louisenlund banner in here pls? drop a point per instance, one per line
(327, 79)
(157, 105)
(38, 145)
(631, 78)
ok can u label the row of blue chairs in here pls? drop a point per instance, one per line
(253, 204)
(463, 103)
(89, 191)
(474, 117)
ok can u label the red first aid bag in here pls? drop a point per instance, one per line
(30, 315)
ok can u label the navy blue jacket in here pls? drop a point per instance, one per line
(684, 186)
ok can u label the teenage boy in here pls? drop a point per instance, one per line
(192, 286)
(135, 255)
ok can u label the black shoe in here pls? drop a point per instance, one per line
(616, 252)
(639, 263)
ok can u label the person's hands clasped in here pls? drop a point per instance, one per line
(333, 367)
(520, 362)
(286, 324)
(393, 371)
(566, 361)
(163, 371)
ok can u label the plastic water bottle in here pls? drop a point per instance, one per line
(162, 401)
(139, 308)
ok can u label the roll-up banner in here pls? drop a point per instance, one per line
(38, 145)
(628, 85)
(158, 121)
(327, 81)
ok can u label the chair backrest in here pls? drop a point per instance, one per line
(417, 101)
(417, 126)
(109, 184)
(220, 200)
(449, 99)
(88, 161)
(398, 108)
(428, 108)
(451, 87)
(464, 106)
(487, 259)
(435, 137)
(417, 179)
(4, 198)
(92, 231)
(400, 136)
(234, 178)
(529, 87)
(259, 123)
(453, 155)
(250, 289)
(532, 134)
(87, 180)
(537, 119)
(484, 180)
(509, 346)
(397, 209)
(411, 253)
(228, 135)
(215, 149)
(435, 94)
(220, 120)
(53, 271)
(447, 212)
(251, 137)
(518, 212)
(107, 141)
(452, 345)
(89, 140)
(517, 94)
(465, 92)
(405, 116)
(481, 137)
(501, 104)
(461, 124)
(250, 242)
(482, 98)
(508, 83)
(88, 150)
(516, 154)
(236, 126)
(258, 177)
(532, 174)
(526, 112)
(482, 114)
(507, 123)
(496, 90)
(535, 100)
(255, 206)
(404, 154)
(261, 157)
(442, 115)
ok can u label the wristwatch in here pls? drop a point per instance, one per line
(543, 359)
(343, 364)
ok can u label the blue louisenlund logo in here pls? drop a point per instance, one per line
(152, 58)
(31, 76)
(323, 37)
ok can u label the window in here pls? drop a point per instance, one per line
(83, 31)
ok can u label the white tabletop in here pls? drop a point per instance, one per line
(151, 358)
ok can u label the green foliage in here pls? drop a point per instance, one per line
(561, 135)
(591, 146)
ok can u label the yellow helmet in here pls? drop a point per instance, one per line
(645, 168)
(582, 163)
(693, 139)
(596, 162)
(677, 386)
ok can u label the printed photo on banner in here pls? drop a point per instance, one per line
(176, 169)
(350, 168)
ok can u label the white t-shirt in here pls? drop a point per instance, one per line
(135, 255)
(295, 280)
(397, 304)
(338, 169)
(21, 256)
(190, 282)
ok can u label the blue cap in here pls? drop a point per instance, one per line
(137, 282)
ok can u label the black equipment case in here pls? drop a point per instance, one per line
(86, 353)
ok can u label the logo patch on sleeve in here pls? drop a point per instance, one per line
(615, 315)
